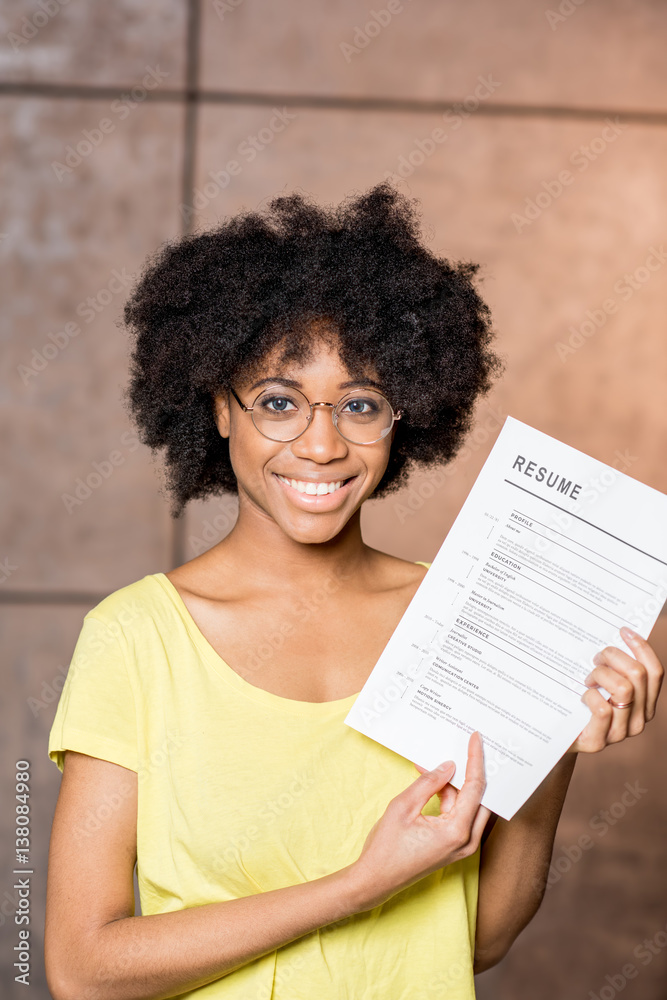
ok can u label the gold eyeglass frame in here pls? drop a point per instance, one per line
(395, 414)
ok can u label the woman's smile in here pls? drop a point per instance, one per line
(315, 494)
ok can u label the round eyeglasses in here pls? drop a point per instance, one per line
(282, 413)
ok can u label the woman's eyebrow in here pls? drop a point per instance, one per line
(276, 378)
(359, 381)
(284, 380)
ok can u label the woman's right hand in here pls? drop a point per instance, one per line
(405, 846)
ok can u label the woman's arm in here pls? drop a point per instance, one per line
(514, 865)
(515, 856)
(96, 949)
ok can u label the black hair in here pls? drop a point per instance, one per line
(209, 306)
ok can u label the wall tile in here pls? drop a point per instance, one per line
(604, 54)
(94, 44)
(68, 241)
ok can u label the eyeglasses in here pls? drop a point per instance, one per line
(282, 413)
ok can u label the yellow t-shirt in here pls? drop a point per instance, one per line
(242, 791)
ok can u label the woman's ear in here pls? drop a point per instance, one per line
(221, 409)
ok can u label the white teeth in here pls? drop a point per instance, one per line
(313, 489)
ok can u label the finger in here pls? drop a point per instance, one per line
(644, 652)
(470, 843)
(631, 668)
(415, 796)
(474, 784)
(479, 825)
(594, 735)
(447, 796)
(626, 683)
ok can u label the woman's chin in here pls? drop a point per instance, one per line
(313, 531)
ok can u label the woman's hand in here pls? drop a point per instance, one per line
(634, 684)
(404, 845)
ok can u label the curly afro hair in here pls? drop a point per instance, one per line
(209, 306)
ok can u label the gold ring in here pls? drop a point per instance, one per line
(621, 704)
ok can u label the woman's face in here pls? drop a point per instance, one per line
(263, 467)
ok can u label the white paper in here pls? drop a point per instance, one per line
(541, 568)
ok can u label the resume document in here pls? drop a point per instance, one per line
(551, 553)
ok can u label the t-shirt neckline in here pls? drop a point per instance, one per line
(228, 674)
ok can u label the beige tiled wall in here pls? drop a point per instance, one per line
(583, 92)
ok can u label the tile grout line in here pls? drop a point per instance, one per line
(192, 95)
(177, 554)
(54, 597)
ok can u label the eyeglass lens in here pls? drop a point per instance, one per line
(282, 413)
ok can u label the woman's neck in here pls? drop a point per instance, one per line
(258, 546)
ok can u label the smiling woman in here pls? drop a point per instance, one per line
(305, 360)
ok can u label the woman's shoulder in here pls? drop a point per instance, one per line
(129, 603)
(201, 580)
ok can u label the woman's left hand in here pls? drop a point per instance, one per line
(633, 682)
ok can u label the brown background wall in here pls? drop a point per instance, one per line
(216, 72)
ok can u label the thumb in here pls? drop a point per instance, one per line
(425, 770)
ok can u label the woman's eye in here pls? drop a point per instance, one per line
(278, 404)
(363, 407)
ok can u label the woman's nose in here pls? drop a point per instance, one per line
(321, 440)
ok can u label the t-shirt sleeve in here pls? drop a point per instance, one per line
(96, 714)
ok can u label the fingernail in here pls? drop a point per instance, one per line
(446, 766)
(628, 634)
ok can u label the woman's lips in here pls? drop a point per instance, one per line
(312, 488)
(340, 488)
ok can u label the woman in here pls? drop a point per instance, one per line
(306, 359)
